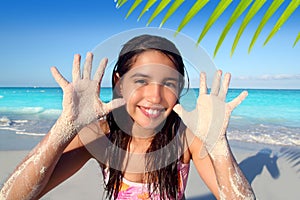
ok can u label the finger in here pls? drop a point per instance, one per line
(115, 103)
(203, 86)
(87, 66)
(62, 82)
(216, 83)
(76, 68)
(236, 101)
(225, 86)
(178, 109)
(100, 71)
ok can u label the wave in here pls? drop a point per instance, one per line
(5, 121)
(11, 129)
(29, 111)
(22, 121)
(21, 110)
(17, 126)
(266, 134)
(52, 112)
(30, 134)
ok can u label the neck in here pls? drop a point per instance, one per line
(142, 134)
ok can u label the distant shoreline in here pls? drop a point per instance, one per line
(232, 88)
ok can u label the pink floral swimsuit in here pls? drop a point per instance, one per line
(136, 191)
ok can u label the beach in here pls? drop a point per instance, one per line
(273, 171)
(264, 134)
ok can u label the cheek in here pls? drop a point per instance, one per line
(171, 96)
(131, 98)
(170, 99)
(131, 94)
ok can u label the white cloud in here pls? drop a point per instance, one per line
(268, 77)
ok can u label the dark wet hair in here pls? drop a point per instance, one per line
(140, 44)
(165, 180)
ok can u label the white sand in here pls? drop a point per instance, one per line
(270, 178)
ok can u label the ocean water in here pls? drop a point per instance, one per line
(267, 116)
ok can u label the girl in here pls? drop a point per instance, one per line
(143, 139)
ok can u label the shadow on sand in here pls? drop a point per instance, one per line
(292, 155)
(254, 165)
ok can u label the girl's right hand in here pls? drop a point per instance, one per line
(81, 102)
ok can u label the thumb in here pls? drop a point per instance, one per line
(236, 101)
(115, 103)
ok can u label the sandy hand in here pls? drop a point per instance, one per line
(81, 102)
(209, 120)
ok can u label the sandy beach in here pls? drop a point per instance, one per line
(273, 171)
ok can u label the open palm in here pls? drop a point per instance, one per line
(81, 102)
(209, 120)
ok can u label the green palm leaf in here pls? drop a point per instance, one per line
(297, 39)
(213, 17)
(253, 10)
(170, 12)
(121, 3)
(237, 12)
(159, 8)
(147, 7)
(133, 7)
(285, 15)
(192, 12)
(274, 6)
(218, 11)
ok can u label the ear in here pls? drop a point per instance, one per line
(118, 83)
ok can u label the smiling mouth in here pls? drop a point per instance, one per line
(151, 112)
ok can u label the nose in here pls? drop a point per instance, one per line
(154, 93)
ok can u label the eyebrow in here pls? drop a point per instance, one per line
(147, 76)
(139, 75)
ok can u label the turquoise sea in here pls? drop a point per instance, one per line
(267, 116)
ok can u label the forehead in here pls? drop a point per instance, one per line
(153, 71)
(151, 57)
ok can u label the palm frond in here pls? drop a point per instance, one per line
(285, 15)
(147, 7)
(133, 7)
(121, 3)
(192, 12)
(243, 5)
(198, 5)
(297, 39)
(252, 12)
(161, 6)
(274, 7)
(170, 12)
(223, 4)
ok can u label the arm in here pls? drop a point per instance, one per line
(209, 122)
(81, 106)
(32, 174)
(73, 159)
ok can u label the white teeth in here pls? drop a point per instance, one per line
(152, 111)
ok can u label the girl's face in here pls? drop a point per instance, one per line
(150, 88)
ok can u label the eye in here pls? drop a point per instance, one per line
(171, 84)
(140, 81)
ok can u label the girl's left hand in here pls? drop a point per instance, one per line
(209, 120)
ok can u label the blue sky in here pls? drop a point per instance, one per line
(35, 35)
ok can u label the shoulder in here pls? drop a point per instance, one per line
(194, 144)
(191, 145)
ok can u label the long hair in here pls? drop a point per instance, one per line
(163, 180)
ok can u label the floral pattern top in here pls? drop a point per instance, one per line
(137, 191)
